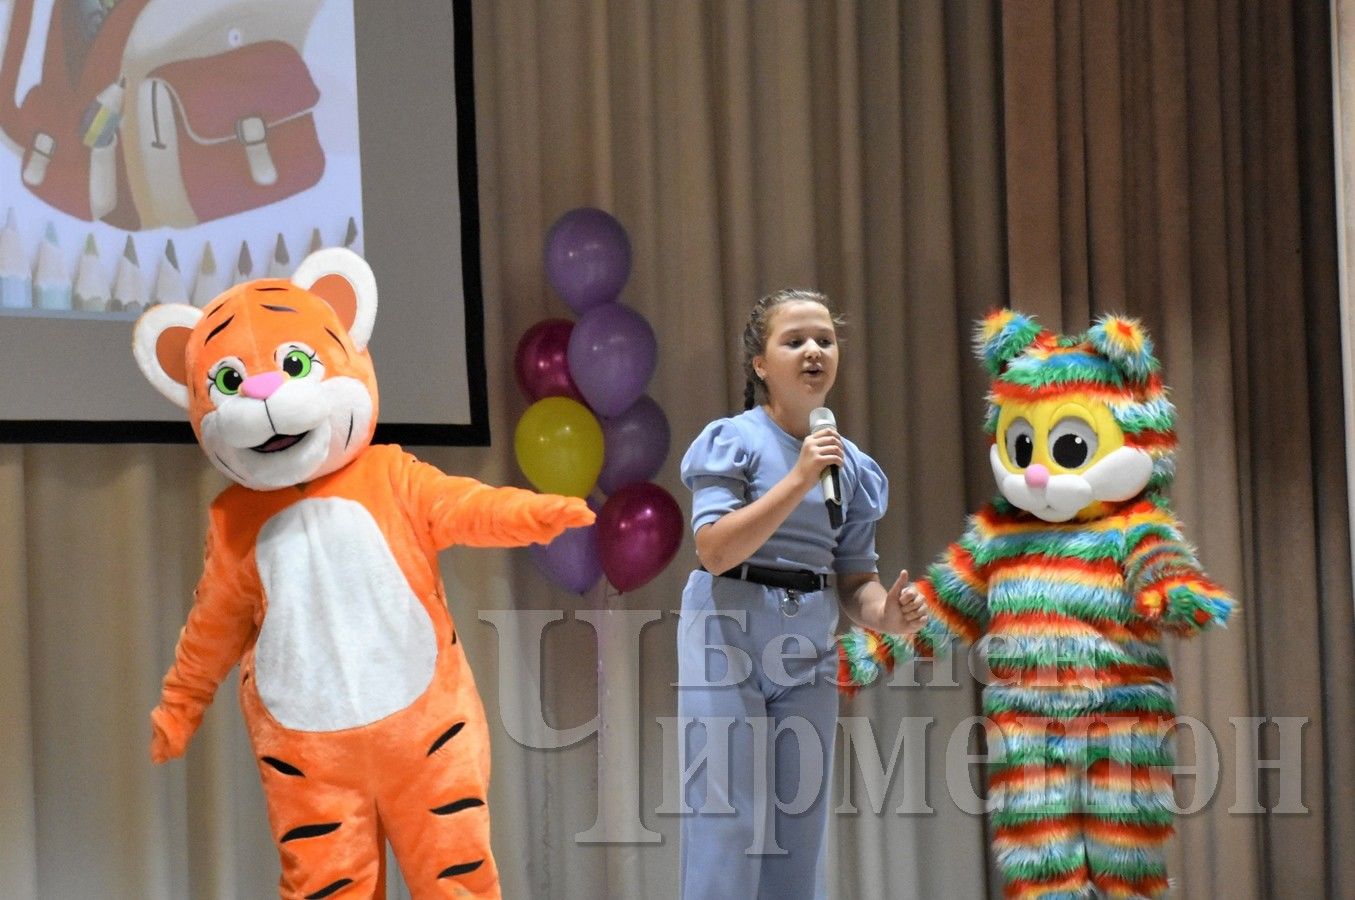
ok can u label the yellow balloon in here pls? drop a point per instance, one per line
(558, 444)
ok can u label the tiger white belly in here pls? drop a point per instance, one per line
(344, 642)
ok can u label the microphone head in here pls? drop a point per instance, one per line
(822, 418)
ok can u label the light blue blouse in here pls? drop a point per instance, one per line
(736, 460)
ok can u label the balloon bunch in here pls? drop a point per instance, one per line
(590, 423)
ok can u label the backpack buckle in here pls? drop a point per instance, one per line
(253, 134)
(42, 148)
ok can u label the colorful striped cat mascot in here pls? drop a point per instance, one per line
(1066, 583)
(321, 581)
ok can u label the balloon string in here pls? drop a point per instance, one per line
(608, 593)
(602, 652)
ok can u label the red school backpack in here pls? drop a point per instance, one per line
(73, 169)
(203, 136)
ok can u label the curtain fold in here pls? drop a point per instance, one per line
(921, 162)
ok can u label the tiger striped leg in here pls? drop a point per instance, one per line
(326, 833)
(434, 810)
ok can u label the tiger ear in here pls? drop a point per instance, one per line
(342, 279)
(160, 345)
(1001, 336)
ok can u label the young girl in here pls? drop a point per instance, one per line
(754, 643)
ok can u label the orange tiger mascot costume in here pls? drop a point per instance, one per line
(321, 580)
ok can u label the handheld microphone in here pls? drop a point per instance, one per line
(830, 479)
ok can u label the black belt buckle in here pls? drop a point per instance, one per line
(798, 582)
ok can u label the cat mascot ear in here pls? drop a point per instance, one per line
(1123, 341)
(342, 279)
(160, 345)
(1002, 336)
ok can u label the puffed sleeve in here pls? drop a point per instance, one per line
(715, 469)
(855, 550)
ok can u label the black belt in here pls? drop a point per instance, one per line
(803, 581)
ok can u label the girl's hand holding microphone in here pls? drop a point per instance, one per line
(819, 450)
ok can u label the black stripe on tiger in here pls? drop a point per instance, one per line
(329, 889)
(445, 737)
(457, 805)
(285, 768)
(462, 869)
(337, 341)
(301, 832)
(213, 333)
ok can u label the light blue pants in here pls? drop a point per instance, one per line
(760, 727)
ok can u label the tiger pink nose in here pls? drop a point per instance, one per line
(1037, 476)
(262, 386)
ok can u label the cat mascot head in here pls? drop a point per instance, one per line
(1076, 421)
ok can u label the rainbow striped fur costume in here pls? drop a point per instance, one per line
(1065, 584)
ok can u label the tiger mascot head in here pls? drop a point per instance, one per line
(1076, 421)
(275, 372)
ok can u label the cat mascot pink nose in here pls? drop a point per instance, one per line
(262, 386)
(1037, 476)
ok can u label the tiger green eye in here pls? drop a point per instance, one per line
(227, 380)
(297, 364)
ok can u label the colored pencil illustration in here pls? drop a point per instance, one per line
(51, 284)
(244, 265)
(92, 289)
(129, 288)
(205, 283)
(168, 287)
(280, 266)
(16, 285)
(99, 124)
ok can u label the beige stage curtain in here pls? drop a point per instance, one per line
(921, 162)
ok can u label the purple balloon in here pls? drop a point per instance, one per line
(541, 362)
(639, 532)
(587, 258)
(571, 560)
(611, 357)
(635, 445)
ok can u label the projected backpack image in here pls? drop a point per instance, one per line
(151, 113)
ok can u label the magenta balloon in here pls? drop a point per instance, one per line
(639, 532)
(587, 258)
(611, 357)
(571, 560)
(635, 445)
(541, 362)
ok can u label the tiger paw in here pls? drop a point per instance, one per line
(169, 736)
(560, 513)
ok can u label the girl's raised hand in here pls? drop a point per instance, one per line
(904, 609)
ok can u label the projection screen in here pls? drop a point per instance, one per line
(366, 119)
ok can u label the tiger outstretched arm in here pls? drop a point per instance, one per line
(460, 510)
